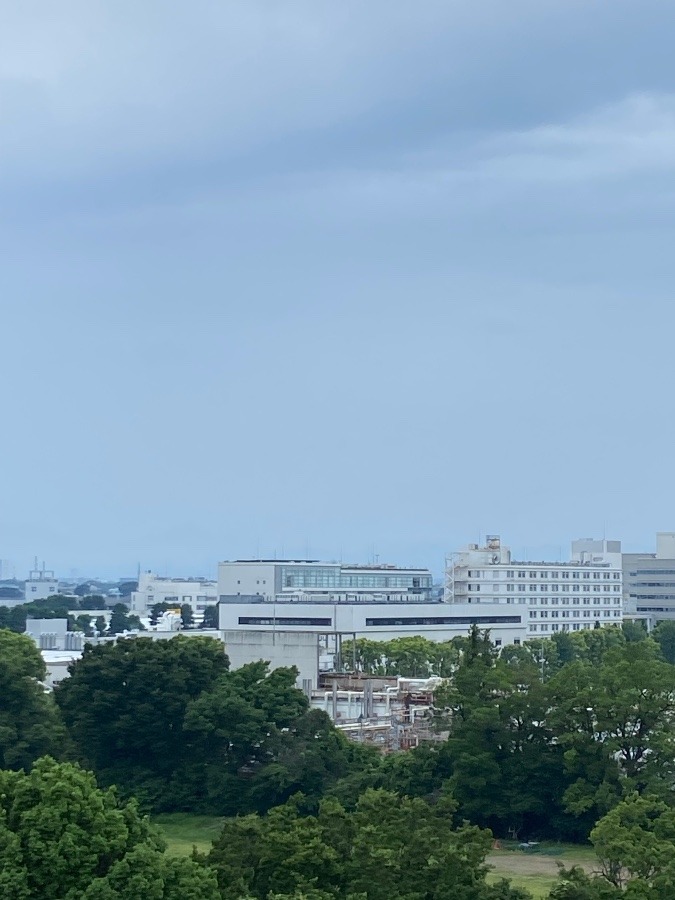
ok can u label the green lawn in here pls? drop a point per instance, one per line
(537, 871)
(182, 832)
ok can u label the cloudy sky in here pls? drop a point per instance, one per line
(342, 279)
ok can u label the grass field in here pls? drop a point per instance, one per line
(537, 871)
(533, 871)
(182, 832)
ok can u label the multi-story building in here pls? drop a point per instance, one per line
(584, 593)
(649, 581)
(41, 584)
(198, 593)
(313, 580)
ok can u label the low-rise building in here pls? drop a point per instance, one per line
(198, 593)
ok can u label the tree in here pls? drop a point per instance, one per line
(100, 625)
(186, 616)
(30, 725)
(664, 635)
(93, 601)
(388, 848)
(156, 611)
(124, 705)
(210, 617)
(635, 841)
(119, 619)
(62, 837)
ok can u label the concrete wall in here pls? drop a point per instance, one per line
(246, 578)
(379, 621)
(280, 649)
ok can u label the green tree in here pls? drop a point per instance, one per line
(124, 705)
(30, 725)
(119, 619)
(388, 848)
(186, 616)
(635, 842)
(156, 611)
(210, 617)
(664, 635)
(61, 838)
(92, 601)
(100, 625)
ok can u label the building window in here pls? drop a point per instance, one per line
(596, 575)
(587, 575)
(616, 576)
(509, 573)
(521, 574)
(575, 574)
(533, 614)
(565, 574)
(606, 576)
(575, 587)
(284, 620)
(543, 574)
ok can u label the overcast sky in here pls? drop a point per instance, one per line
(342, 279)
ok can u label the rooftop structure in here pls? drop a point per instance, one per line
(305, 580)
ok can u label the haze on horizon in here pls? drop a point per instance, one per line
(333, 279)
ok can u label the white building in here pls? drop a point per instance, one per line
(41, 584)
(553, 596)
(380, 621)
(649, 581)
(313, 580)
(53, 634)
(197, 593)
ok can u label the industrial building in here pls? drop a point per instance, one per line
(584, 593)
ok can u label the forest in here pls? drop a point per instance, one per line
(568, 739)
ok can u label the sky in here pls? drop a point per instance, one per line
(339, 280)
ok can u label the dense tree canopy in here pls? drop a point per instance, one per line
(167, 721)
(61, 838)
(30, 725)
(388, 848)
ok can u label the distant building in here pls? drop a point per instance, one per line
(313, 580)
(198, 593)
(554, 596)
(649, 581)
(53, 634)
(41, 584)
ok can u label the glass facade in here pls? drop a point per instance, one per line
(336, 579)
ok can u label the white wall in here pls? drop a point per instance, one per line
(246, 578)
(353, 618)
(280, 649)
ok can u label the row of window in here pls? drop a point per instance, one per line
(564, 575)
(575, 627)
(565, 614)
(400, 620)
(544, 588)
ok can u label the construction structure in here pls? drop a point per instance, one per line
(390, 713)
